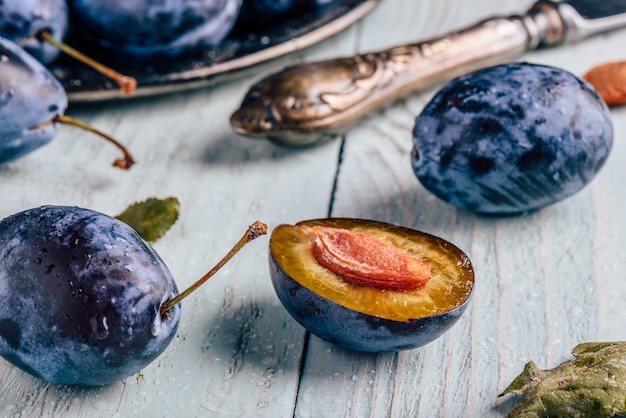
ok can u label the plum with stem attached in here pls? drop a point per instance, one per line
(32, 103)
(22, 21)
(86, 301)
(40, 27)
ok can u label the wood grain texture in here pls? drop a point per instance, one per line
(545, 281)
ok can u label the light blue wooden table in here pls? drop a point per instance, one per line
(544, 282)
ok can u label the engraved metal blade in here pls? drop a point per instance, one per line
(584, 18)
(312, 101)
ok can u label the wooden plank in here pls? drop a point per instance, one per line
(544, 281)
(237, 352)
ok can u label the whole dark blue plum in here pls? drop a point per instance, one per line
(511, 138)
(155, 27)
(30, 98)
(369, 286)
(81, 295)
(32, 104)
(22, 21)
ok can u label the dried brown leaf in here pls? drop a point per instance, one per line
(591, 385)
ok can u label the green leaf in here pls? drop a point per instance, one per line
(592, 384)
(151, 218)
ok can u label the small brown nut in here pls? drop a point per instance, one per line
(609, 80)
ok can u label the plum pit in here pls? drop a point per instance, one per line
(364, 260)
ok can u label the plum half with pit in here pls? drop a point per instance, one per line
(369, 286)
(511, 138)
(81, 296)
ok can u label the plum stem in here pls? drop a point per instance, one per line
(254, 231)
(127, 84)
(123, 163)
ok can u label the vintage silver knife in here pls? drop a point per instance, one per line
(308, 102)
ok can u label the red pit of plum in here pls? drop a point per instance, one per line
(367, 285)
(363, 260)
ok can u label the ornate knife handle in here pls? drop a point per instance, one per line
(307, 102)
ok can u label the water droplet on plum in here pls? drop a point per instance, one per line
(73, 313)
(110, 313)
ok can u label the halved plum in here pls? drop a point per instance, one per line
(369, 286)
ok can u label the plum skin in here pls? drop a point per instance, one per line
(511, 138)
(355, 330)
(30, 97)
(148, 28)
(81, 296)
(22, 20)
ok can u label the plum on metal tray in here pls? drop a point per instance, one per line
(511, 138)
(369, 286)
(245, 47)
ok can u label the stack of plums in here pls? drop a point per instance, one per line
(30, 32)
(140, 27)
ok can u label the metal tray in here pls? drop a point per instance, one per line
(239, 53)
